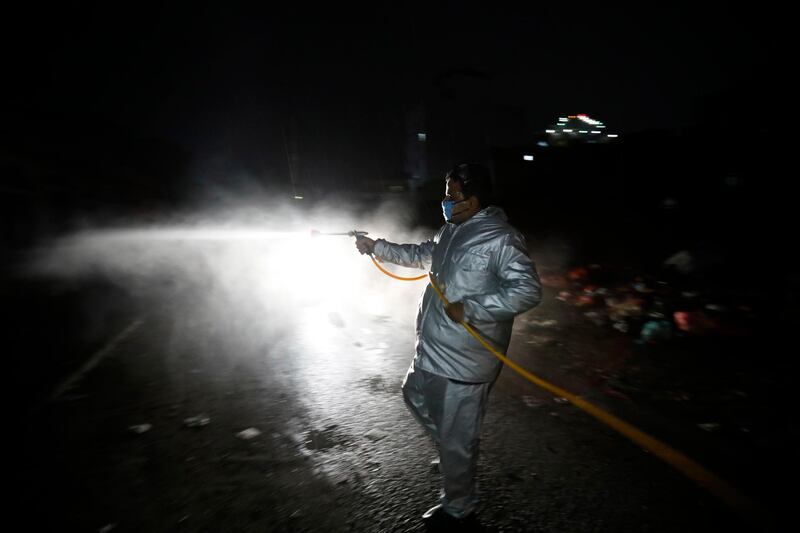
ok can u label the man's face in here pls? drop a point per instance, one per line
(461, 211)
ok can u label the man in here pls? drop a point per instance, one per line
(481, 264)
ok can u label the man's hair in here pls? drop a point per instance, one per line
(476, 180)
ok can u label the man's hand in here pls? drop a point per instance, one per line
(365, 245)
(455, 310)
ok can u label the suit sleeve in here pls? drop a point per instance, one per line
(518, 290)
(407, 255)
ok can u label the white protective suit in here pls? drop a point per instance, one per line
(484, 264)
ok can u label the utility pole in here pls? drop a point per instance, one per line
(291, 159)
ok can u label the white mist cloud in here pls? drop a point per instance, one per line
(248, 272)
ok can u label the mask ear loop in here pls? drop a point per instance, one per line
(459, 202)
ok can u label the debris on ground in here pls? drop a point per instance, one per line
(375, 434)
(196, 421)
(578, 274)
(532, 401)
(651, 307)
(682, 261)
(140, 428)
(249, 433)
(695, 322)
(623, 308)
(656, 330)
(543, 323)
(336, 319)
(617, 394)
(599, 319)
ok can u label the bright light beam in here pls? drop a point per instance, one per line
(198, 234)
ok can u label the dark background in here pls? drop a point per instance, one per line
(136, 111)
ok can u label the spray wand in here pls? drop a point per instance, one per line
(353, 233)
(357, 234)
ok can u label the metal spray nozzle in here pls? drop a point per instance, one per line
(353, 233)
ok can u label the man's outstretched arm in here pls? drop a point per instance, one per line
(407, 255)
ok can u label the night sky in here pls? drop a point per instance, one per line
(223, 79)
(175, 70)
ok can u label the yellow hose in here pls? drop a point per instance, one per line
(394, 275)
(691, 469)
(684, 464)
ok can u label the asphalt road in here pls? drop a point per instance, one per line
(335, 449)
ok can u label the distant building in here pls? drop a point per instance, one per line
(416, 160)
(567, 171)
(579, 128)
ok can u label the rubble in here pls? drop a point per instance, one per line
(651, 308)
(577, 274)
(621, 326)
(619, 309)
(656, 330)
(599, 319)
(695, 322)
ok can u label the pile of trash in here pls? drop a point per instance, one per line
(648, 307)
